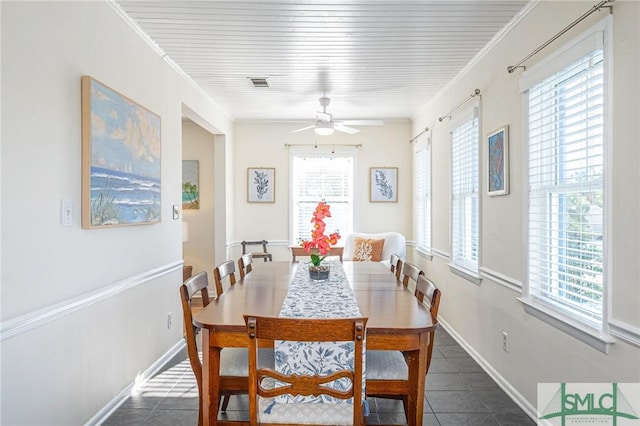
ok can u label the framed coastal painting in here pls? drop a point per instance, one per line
(190, 185)
(383, 184)
(498, 162)
(120, 159)
(261, 185)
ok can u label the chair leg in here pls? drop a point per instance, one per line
(225, 403)
(405, 403)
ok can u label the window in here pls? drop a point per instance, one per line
(465, 215)
(316, 177)
(565, 110)
(423, 193)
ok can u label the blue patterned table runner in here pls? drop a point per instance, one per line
(306, 298)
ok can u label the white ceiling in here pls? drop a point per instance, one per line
(374, 59)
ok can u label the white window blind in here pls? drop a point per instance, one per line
(464, 191)
(566, 191)
(423, 193)
(315, 178)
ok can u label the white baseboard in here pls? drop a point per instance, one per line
(101, 416)
(529, 409)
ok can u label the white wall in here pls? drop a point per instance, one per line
(83, 311)
(260, 144)
(479, 314)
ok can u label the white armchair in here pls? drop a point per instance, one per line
(394, 242)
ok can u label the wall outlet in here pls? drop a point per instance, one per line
(169, 323)
(505, 341)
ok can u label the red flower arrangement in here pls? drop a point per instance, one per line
(318, 238)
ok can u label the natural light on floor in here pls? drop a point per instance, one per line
(176, 382)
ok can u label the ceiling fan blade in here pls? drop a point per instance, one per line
(361, 122)
(303, 129)
(345, 129)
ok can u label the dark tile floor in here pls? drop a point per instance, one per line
(458, 393)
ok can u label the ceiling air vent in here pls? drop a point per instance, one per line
(259, 81)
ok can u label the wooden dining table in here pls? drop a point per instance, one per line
(396, 321)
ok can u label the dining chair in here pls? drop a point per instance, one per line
(410, 272)
(429, 294)
(244, 264)
(191, 287)
(264, 254)
(396, 265)
(387, 371)
(187, 272)
(263, 394)
(225, 269)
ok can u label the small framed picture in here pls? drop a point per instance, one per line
(190, 188)
(498, 162)
(261, 185)
(383, 185)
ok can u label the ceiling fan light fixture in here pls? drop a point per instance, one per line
(324, 128)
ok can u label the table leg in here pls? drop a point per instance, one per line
(417, 361)
(210, 380)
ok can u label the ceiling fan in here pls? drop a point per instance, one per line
(325, 125)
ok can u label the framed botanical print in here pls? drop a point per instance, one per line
(498, 162)
(261, 185)
(383, 184)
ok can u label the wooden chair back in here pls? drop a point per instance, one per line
(396, 265)
(429, 294)
(194, 285)
(226, 269)
(244, 264)
(410, 272)
(308, 330)
(187, 272)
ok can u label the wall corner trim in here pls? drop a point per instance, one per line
(625, 332)
(508, 282)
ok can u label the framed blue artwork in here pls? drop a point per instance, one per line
(190, 185)
(498, 162)
(120, 159)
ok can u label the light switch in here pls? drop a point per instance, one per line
(67, 212)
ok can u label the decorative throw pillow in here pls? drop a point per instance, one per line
(365, 249)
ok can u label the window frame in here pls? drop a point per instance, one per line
(598, 336)
(467, 268)
(424, 145)
(320, 152)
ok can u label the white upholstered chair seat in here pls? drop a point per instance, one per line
(234, 361)
(311, 413)
(386, 365)
(305, 413)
